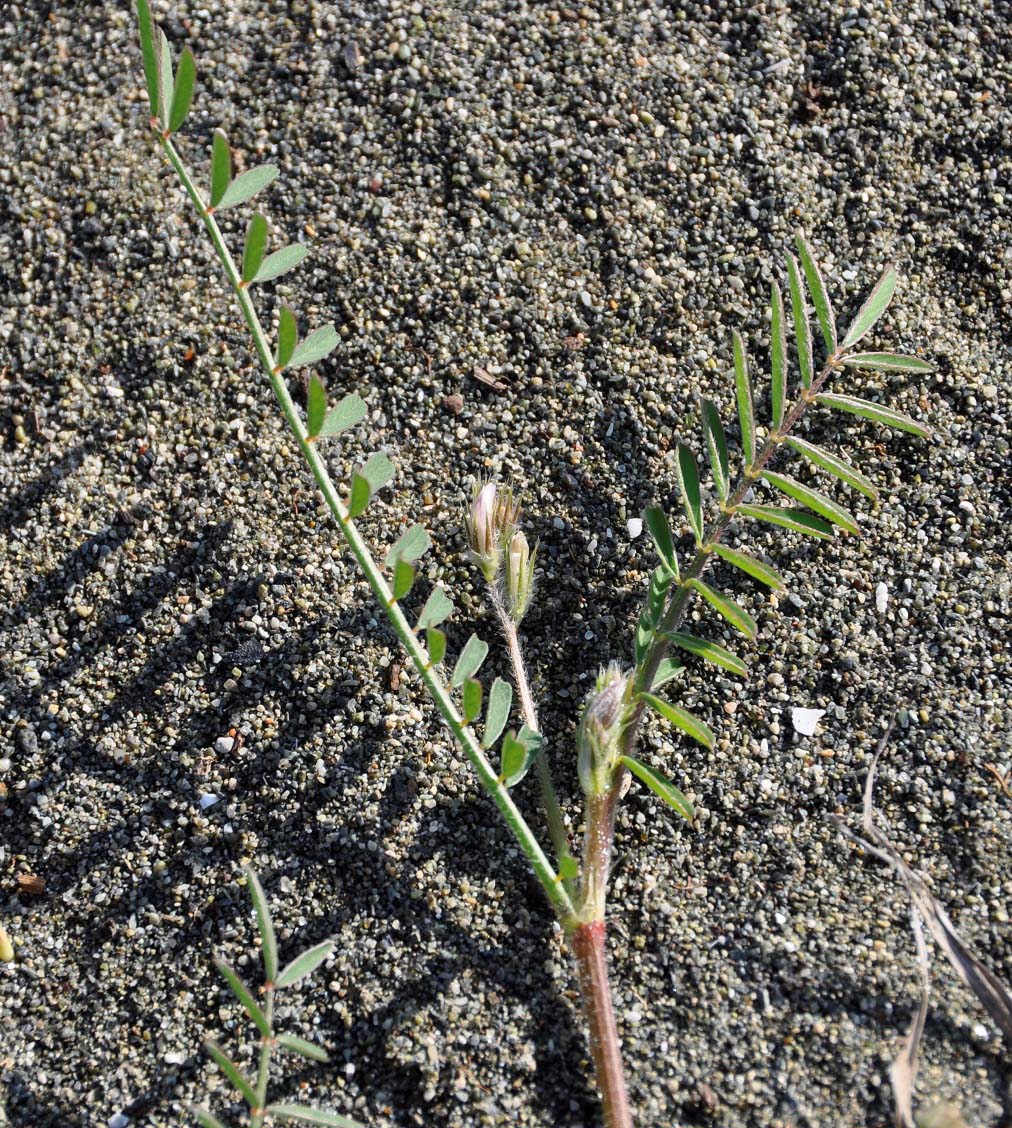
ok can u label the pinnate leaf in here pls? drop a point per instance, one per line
(146, 33)
(682, 719)
(305, 1114)
(717, 446)
(874, 306)
(288, 336)
(412, 544)
(316, 406)
(182, 91)
(659, 785)
(887, 416)
(221, 167)
(254, 247)
(435, 643)
(709, 651)
(657, 523)
(305, 1049)
(497, 712)
(815, 500)
(245, 997)
(305, 964)
(743, 393)
(802, 330)
(346, 413)
(817, 288)
(688, 480)
(835, 465)
(778, 356)
(315, 347)
(438, 608)
(280, 262)
(470, 697)
(794, 519)
(888, 362)
(232, 1072)
(736, 615)
(469, 661)
(268, 943)
(247, 184)
(751, 566)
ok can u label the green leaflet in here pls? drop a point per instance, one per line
(435, 643)
(316, 406)
(802, 330)
(659, 785)
(794, 519)
(280, 262)
(751, 566)
(346, 413)
(305, 1114)
(305, 964)
(182, 92)
(519, 751)
(438, 608)
(887, 416)
(221, 167)
(245, 997)
(469, 660)
(204, 1118)
(231, 1071)
(716, 444)
(873, 308)
(653, 610)
(667, 669)
(814, 500)
(300, 1046)
(888, 362)
(817, 288)
(268, 944)
(403, 579)
(835, 465)
(737, 616)
(743, 393)
(146, 32)
(778, 356)
(254, 247)
(688, 481)
(315, 347)
(247, 184)
(471, 700)
(497, 712)
(373, 476)
(412, 544)
(690, 724)
(709, 651)
(657, 523)
(288, 336)
(165, 80)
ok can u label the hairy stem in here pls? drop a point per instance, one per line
(264, 1068)
(540, 863)
(549, 796)
(592, 965)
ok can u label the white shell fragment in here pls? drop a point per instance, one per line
(881, 598)
(634, 527)
(208, 800)
(805, 720)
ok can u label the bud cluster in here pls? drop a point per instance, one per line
(601, 729)
(499, 546)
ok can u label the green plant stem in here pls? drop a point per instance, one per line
(549, 796)
(264, 1068)
(543, 869)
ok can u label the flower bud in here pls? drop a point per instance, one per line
(519, 575)
(601, 728)
(493, 518)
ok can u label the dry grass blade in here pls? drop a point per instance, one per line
(992, 994)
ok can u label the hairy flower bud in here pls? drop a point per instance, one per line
(492, 519)
(601, 728)
(519, 575)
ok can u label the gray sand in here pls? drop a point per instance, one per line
(578, 207)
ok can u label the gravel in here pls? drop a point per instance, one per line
(534, 229)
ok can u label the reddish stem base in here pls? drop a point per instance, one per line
(592, 966)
